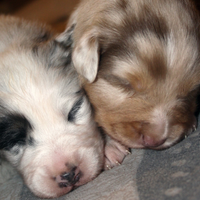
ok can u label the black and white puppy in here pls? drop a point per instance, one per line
(46, 127)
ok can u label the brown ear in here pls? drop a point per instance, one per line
(86, 56)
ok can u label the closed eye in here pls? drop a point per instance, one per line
(119, 82)
(73, 112)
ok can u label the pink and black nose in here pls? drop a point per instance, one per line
(68, 178)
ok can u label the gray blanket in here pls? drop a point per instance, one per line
(145, 175)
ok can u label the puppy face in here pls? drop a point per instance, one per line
(140, 66)
(46, 126)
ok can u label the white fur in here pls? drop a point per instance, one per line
(44, 96)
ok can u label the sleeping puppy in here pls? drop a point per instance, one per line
(46, 127)
(139, 64)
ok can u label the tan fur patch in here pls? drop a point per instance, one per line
(144, 94)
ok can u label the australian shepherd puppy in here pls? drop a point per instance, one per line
(47, 131)
(139, 62)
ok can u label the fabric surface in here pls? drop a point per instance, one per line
(172, 174)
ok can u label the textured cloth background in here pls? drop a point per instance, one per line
(172, 174)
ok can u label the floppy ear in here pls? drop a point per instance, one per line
(65, 38)
(85, 56)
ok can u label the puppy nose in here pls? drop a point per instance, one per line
(68, 178)
(151, 142)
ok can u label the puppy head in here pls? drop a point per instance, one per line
(144, 93)
(147, 104)
(46, 127)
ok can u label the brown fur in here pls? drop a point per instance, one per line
(139, 61)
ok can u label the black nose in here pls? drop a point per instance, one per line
(69, 178)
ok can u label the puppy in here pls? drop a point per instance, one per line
(139, 64)
(47, 130)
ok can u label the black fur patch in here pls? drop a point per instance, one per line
(59, 55)
(13, 130)
(53, 54)
(67, 40)
(74, 110)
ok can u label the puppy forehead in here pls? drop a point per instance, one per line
(19, 66)
(152, 32)
(147, 60)
(27, 83)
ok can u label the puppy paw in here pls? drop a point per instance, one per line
(114, 153)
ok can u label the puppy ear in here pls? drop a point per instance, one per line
(85, 56)
(65, 38)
